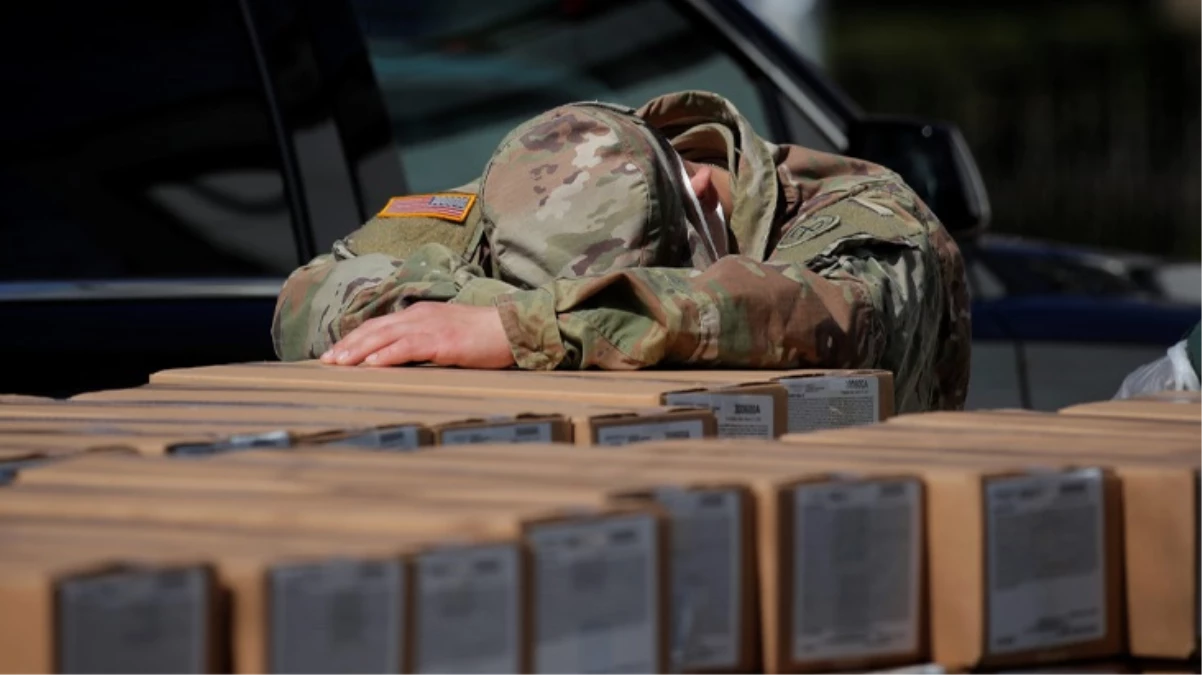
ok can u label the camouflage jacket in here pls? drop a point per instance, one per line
(835, 263)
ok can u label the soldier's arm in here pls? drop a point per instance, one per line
(335, 293)
(861, 305)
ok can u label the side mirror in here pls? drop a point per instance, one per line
(934, 160)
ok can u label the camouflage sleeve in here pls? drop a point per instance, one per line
(335, 293)
(864, 302)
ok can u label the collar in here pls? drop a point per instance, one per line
(706, 127)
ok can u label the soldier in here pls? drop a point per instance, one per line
(672, 235)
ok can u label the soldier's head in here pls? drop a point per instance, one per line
(589, 188)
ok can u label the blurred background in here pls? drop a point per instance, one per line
(1083, 114)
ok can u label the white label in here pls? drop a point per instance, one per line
(621, 434)
(933, 668)
(596, 607)
(468, 611)
(135, 622)
(1045, 553)
(395, 438)
(857, 569)
(707, 573)
(739, 415)
(341, 616)
(832, 402)
(530, 432)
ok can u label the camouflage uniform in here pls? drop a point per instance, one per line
(584, 243)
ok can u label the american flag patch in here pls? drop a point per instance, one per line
(452, 206)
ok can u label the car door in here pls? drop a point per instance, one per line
(167, 167)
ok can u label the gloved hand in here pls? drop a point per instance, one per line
(1171, 372)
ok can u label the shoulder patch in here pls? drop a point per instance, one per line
(450, 206)
(807, 229)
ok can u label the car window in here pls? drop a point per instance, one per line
(803, 131)
(138, 145)
(458, 74)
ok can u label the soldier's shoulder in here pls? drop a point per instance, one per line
(450, 218)
(872, 210)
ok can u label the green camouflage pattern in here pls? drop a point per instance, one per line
(582, 190)
(836, 263)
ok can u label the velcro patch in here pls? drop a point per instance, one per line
(807, 229)
(452, 206)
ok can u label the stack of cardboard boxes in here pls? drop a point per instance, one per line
(815, 533)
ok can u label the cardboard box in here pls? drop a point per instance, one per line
(1161, 530)
(311, 602)
(1018, 441)
(742, 411)
(465, 604)
(287, 473)
(254, 428)
(818, 644)
(352, 428)
(85, 612)
(63, 442)
(806, 579)
(1162, 409)
(712, 533)
(619, 550)
(989, 606)
(592, 424)
(818, 399)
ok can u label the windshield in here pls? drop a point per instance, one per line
(458, 74)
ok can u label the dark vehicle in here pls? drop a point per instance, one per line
(163, 167)
(1055, 325)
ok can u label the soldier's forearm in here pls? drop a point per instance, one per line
(318, 301)
(328, 298)
(738, 313)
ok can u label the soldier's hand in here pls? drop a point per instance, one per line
(434, 332)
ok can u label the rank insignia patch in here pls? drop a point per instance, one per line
(452, 206)
(807, 229)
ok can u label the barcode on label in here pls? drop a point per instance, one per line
(468, 618)
(596, 600)
(857, 568)
(340, 616)
(135, 622)
(1046, 560)
(739, 415)
(532, 432)
(832, 402)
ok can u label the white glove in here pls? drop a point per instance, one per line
(1171, 372)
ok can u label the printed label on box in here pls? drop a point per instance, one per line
(621, 434)
(707, 576)
(135, 622)
(396, 438)
(468, 610)
(1046, 560)
(857, 568)
(526, 432)
(739, 415)
(340, 616)
(832, 402)
(597, 596)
